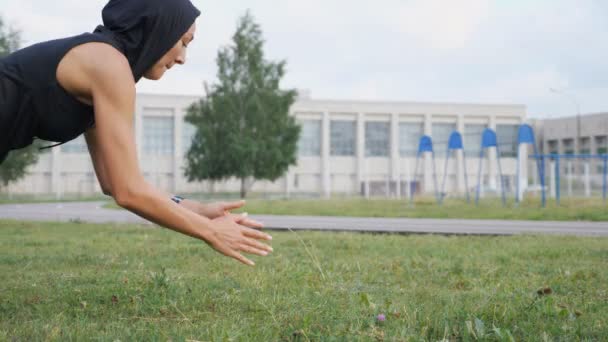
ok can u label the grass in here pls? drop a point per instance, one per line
(569, 210)
(48, 198)
(61, 281)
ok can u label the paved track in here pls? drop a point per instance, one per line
(93, 212)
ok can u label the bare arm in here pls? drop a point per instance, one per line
(209, 210)
(91, 139)
(114, 101)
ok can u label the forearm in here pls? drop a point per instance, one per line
(157, 206)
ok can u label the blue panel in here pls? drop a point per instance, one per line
(455, 141)
(488, 139)
(525, 134)
(426, 144)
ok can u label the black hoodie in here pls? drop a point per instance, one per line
(146, 29)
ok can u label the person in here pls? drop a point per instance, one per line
(60, 89)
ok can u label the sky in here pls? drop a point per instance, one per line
(466, 51)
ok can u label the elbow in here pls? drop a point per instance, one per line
(107, 192)
(125, 199)
(129, 196)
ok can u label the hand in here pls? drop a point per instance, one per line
(227, 235)
(218, 209)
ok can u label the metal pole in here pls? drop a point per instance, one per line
(445, 173)
(466, 182)
(557, 181)
(435, 178)
(605, 172)
(502, 182)
(569, 177)
(540, 167)
(587, 179)
(479, 177)
(517, 175)
(414, 182)
(541, 171)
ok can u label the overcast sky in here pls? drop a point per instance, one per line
(479, 51)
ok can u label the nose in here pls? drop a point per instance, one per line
(181, 59)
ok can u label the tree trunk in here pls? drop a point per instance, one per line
(243, 187)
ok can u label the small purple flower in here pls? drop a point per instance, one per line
(381, 318)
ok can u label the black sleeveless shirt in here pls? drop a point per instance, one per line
(32, 102)
(34, 105)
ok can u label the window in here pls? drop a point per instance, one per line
(568, 146)
(343, 138)
(506, 138)
(377, 139)
(158, 135)
(601, 144)
(472, 139)
(188, 133)
(584, 145)
(409, 138)
(441, 135)
(78, 145)
(310, 138)
(553, 147)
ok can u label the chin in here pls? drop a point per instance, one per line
(154, 75)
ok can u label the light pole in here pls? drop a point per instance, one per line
(578, 115)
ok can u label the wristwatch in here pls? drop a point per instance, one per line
(177, 199)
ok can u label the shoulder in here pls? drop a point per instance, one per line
(93, 68)
(109, 73)
(103, 61)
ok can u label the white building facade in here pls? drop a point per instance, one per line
(345, 148)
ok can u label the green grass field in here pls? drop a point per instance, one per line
(49, 198)
(569, 210)
(63, 282)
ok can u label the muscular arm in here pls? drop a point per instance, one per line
(114, 155)
(91, 139)
(113, 96)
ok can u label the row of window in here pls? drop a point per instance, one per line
(601, 145)
(158, 137)
(343, 138)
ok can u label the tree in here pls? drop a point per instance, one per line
(14, 166)
(10, 39)
(244, 129)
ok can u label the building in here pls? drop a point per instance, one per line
(571, 135)
(584, 135)
(346, 147)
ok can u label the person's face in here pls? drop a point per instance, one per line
(177, 55)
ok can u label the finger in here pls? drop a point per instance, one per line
(251, 224)
(238, 256)
(256, 234)
(242, 219)
(233, 205)
(258, 245)
(238, 218)
(252, 250)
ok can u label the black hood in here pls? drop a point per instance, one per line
(146, 29)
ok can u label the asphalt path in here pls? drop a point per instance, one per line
(95, 213)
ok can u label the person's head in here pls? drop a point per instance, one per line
(153, 34)
(177, 55)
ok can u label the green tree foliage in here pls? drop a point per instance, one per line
(243, 125)
(10, 39)
(16, 163)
